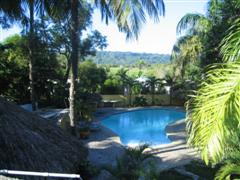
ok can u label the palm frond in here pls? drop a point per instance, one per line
(105, 9)
(58, 9)
(227, 171)
(11, 8)
(230, 46)
(130, 15)
(10, 11)
(213, 113)
(193, 23)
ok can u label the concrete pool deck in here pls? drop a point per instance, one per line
(104, 145)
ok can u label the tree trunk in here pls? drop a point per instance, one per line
(153, 92)
(66, 76)
(129, 95)
(31, 57)
(74, 65)
(170, 96)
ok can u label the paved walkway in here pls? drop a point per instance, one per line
(104, 146)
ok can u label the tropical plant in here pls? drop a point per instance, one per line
(60, 35)
(111, 86)
(152, 82)
(26, 11)
(130, 15)
(91, 77)
(122, 73)
(140, 101)
(170, 79)
(14, 70)
(194, 24)
(213, 111)
(185, 52)
(131, 83)
(131, 165)
(230, 44)
(210, 28)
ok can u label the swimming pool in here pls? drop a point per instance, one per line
(143, 126)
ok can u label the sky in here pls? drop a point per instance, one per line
(154, 37)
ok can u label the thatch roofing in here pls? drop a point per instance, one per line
(28, 142)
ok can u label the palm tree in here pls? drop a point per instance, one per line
(14, 10)
(122, 73)
(194, 24)
(130, 82)
(32, 5)
(170, 81)
(188, 48)
(74, 63)
(213, 114)
(152, 82)
(186, 51)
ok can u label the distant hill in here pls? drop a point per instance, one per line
(129, 58)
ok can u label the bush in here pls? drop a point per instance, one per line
(111, 86)
(140, 101)
(86, 170)
(133, 165)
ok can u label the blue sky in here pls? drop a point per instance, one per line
(154, 37)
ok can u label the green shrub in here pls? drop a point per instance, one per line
(111, 86)
(86, 170)
(133, 165)
(140, 101)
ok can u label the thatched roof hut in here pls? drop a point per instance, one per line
(28, 142)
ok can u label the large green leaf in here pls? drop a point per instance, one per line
(231, 43)
(213, 113)
(226, 171)
(193, 23)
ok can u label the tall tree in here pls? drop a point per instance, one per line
(122, 73)
(187, 50)
(31, 4)
(14, 10)
(130, 82)
(74, 64)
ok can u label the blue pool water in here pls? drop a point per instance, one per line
(143, 126)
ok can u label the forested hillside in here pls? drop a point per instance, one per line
(129, 58)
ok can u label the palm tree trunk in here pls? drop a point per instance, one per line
(153, 98)
(31, 57)
(170, 96)
(74, 65)
(130, 98)
(129, 95)
(67, 70)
